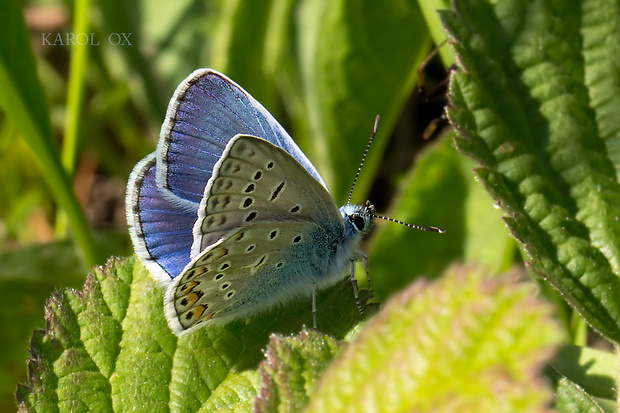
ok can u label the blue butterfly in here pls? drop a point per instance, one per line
(230, 215)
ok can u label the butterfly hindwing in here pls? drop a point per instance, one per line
(256, 181)
(160, 231)
(249, 271)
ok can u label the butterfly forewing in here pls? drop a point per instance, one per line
(256, 181)
(206, 111)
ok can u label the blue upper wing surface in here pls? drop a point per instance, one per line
(160, 231)
(206, 111)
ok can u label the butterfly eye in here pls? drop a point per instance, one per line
(359, 222)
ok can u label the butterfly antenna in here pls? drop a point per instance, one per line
(374, 132)
(432, 229)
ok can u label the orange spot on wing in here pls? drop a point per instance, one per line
(192, 298)
(199, 311)
(191, 286)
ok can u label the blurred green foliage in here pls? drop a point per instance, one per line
(75, 118)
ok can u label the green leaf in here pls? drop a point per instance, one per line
(430, 10)
(474, 231)
(357, 59)
(594, 371)
(27, 277)
(109, 348)
(293, 367)
(529, 107)
(463, 343)
(573, 399)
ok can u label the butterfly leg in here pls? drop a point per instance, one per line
(354, 282)
(363, 257)
(314, 305)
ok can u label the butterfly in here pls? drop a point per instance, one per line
(230, 216)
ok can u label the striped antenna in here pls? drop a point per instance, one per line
(374, 132)
(432, 229)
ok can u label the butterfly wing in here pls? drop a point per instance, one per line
(257, 181)
(250, 271)
(206, 111)
(159, 230)
(264, 232)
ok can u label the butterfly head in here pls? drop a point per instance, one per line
(358, 218)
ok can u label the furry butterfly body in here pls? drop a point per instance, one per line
(228, 213)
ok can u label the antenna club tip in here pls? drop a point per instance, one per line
(434, 229)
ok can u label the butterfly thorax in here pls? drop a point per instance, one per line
(357, 223)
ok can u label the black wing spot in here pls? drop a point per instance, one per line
(225, 286)
(184, 302)
(222, 219)
(277, 191)
(247, 202)
(297, 239)
(270, 165)
(250, 248)
(224, 266)
(278, 265)
(189, 315)
(262, 259)
(231, 167)
(273, 234)
(214, 202)
(258, 175)
(250, 188)
(251, 216)
(230, 294)
(206, 258)
(239, 236)
(219, 276)
(295, 209)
